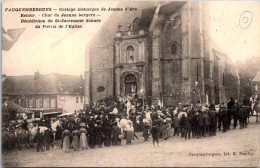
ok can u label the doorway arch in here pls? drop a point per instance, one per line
(130, 84)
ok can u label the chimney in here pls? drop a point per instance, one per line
(36, 75)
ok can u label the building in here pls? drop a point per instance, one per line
(256, 84)
(45, 94)
(160, 51)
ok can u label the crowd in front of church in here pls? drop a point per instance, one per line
(107, 122)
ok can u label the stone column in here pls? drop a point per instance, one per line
(156, 67)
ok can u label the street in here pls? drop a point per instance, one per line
(236, 148)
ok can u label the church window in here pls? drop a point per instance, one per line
(256, 87)
(174, 48)
(130, 53)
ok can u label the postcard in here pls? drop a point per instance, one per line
(130, 83)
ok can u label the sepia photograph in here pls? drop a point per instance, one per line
(130, 83)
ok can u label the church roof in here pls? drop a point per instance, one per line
(145, 12)
(42, 84)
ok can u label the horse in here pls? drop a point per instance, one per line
(54, 126)
(33, 131)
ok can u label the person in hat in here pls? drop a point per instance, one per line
(83, 136)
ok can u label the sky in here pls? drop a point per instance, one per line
(236, 42)
(49, 50)
(63, 51)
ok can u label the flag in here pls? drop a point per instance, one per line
(9, 37)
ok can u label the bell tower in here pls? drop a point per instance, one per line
(131, 60)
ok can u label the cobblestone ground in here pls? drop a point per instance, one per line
(172, 152)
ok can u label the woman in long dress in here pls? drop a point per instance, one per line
(164, 131)
(83, 137)
(75, 140)
(66, 140)
(92, 136)
(146, 131)
(115, 134)
(129, 133)
(107, 133)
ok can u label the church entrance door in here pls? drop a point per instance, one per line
(130, 84)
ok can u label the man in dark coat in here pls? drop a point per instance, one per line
(235, 114)
(230, 107)
(187, 127)
(182, 125)
(212, 126)
(40, 140)
(207, 123)
(201, 125)
(100, 133)
(241, 117)
(92, 135)
(194, 125)
(223, 112)
(107, 133)
(245, 115)
(47, 138)
(155, 136)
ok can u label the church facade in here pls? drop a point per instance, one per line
(163, 51)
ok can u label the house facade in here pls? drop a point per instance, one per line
(46, 95)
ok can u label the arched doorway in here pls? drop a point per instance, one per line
(130, 84)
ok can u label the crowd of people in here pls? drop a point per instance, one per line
(110, 120)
